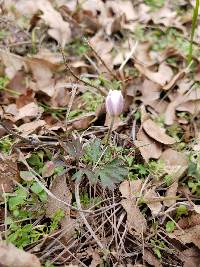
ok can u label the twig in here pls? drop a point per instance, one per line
(102, 61)
(128, 57)
(74, 89)
(13, 133)
(78, 78)
(78, 202)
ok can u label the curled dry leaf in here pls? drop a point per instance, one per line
(123, 7)
(12, 62)
(161, 77)
(176, 163)
(59, 29)
(82, 122)
(186, 236)
(190, 221)
(142, 54)
(8, 173)
(130, 189)
(157, 133)
(10, 256)
(165, 16)
(103, 48)
(135, 219)
(170, 112)
(30, 127)
(150, 197)
(60, 190)
(192, 106)
(175, 79)
(43, 74)
(31, 110)
(150, 92)
(190, 257)
(171, 193)
(148, 147)
(151, 259)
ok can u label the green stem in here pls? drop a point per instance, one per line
(194, 23)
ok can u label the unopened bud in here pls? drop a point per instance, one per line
(114, 103)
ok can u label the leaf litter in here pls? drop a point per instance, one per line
(87, 192)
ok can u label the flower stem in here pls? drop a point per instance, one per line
(194, 24)
(110, 129)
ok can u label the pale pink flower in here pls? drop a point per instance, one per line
(114, 103)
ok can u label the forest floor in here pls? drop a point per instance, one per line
(73, 190)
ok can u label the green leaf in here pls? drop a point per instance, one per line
(43, 196)
(181, 210)
(75, 148)
(112, 173)
(90, 175)
(36, 188)
(93, 151)
(170, 225)
(48, 169)
(26, 175)
(18, 199)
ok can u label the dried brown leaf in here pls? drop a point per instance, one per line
(82, 122)
(10, 256)
(59, 29)
(176, 163)
(148, 147)
(31, 110)
(170, 113)
(190, 221)
(135, 219)
(30, 127)
(12, 62)
(192, 106)
(130, 189)
(43, 74)
(155, 206)
(171, 192)
(190, 257)
(59, 188)
(142, 54)
(161, 77)
(186, 236)
(151, 259)
(150, 92)
(157, 133)
(166, 16)
(8, 173)
(180, 75)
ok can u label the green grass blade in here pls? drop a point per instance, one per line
(194, 23)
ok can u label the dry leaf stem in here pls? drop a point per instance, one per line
(78, 78)
(102, 61)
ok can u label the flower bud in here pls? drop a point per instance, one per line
(114, 103)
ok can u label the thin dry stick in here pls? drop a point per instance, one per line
(77, 196)
(78, 78)
(5, 211)
(129, 56)
(13, 133)
(102, 61)
(74, 89)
